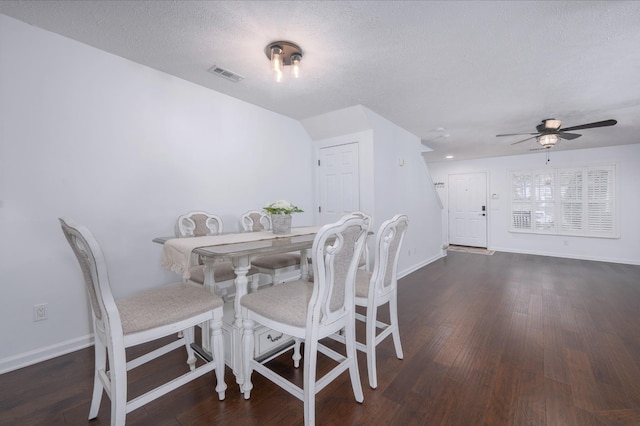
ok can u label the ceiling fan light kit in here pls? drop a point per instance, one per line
(549, 140)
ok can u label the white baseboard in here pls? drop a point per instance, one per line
(569, 256)
(417, 266)
(43, 354)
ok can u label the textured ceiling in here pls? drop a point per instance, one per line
(476, 69)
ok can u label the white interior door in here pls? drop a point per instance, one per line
(468, 209)
(339, 182)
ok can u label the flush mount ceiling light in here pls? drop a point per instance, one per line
(281, 54)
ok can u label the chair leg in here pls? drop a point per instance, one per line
(217, 353)
(296, 353)
(352, 356)
(254, 283)
(100, 360)
(247, 357)
(393, 311)
(309, 381)
(206, 336)
(118, 375)
(371, 346)
(188, 335)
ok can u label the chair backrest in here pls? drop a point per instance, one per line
(387, 252)
(335, 252)
(198, 224)
(105, 312)
(365, 259)
(255, 220)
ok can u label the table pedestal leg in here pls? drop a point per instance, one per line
(209, 284)
(241, 266)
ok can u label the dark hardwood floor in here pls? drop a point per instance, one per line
(506, 339)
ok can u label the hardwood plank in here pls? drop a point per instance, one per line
(506, 339)
(584, 388)
(559, 403)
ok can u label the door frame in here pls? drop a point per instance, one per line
(364, 140)
(490, 211)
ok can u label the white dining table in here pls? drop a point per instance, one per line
(240, 248)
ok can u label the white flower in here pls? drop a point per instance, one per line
(282, 207)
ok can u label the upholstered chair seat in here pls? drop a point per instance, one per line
(223, 272)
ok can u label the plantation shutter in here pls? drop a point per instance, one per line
(573, 201)
(600, 207)
(521, 201)
(545, 201)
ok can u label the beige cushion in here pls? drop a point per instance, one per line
(223, 271)
(286, 303)
(277, 261)
(164, 305)
(363, 278)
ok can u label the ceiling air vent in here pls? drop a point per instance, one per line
(231, 76)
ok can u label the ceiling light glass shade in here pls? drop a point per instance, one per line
(295, 65)
(548, 141)
(276, 59)
(552, 124)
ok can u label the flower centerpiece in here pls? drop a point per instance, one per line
(280, 212)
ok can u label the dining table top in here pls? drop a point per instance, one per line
(265, 245)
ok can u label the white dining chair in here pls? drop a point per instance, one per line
(310, 312)
(374, 289)
(277, 266)
(222, 275)
(144, 317)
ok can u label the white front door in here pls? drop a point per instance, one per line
(468, 209)
(339, 182)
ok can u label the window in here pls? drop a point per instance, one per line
(573, 201)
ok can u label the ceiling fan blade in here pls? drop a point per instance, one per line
(524, 140)
(604, 123)
(568, 136)
(516, 134)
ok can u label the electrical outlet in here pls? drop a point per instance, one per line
(40, 312)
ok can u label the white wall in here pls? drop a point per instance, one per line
(386, 187)
(625, 249)
(123, 149)
(402, 185)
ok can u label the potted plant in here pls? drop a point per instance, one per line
(280, 212)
